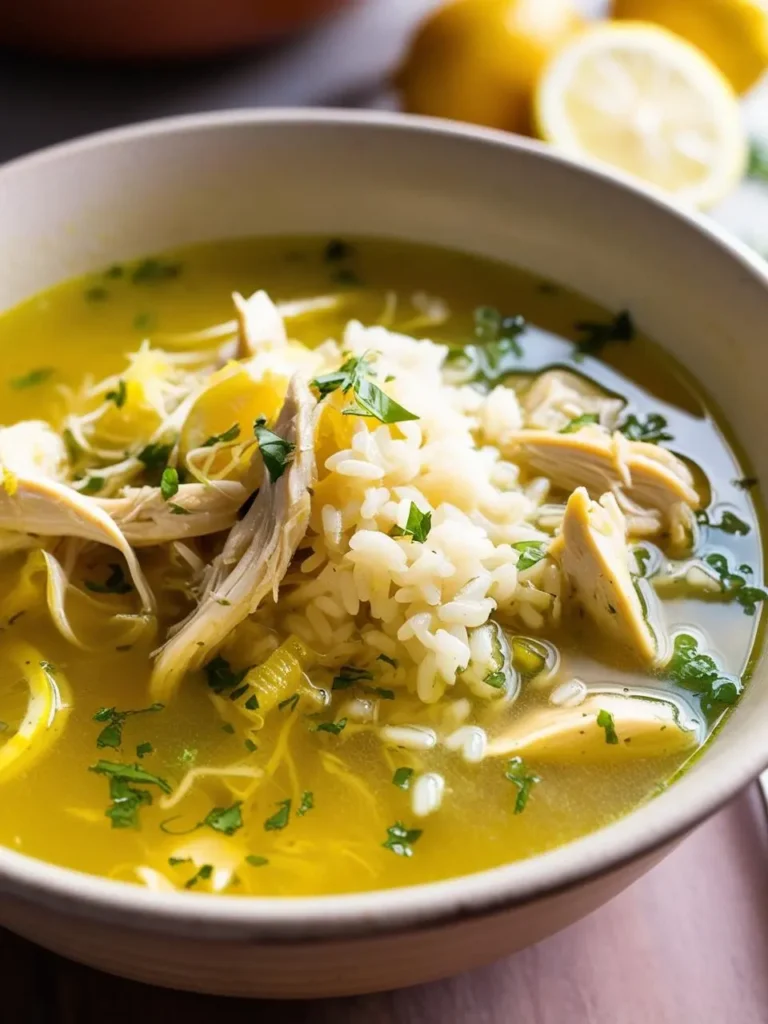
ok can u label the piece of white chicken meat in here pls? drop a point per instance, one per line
(256, 555)
(592, 552)
(558, 396)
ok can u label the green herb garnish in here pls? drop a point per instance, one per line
(337, 250)
(280, 818)
(153, 271)
(332, 727)
(417, 525)
(400, 839)
(256, 861)
(519, 775)
(33, 378)
(380, 691)
(605, 721)
(387, 660)
(231, 434)
(276, 452)
(370, 400)
(758, 160)
(307, 803)
(225, 819)
(402, 777)
(746, 483)
(93, 485)
(585, 420)
(652, 430)
(729, 523)
(495, 350)
(112, 733)
(169, 483)
(116, 583)
(126, 799)
(348, 676)
(495, 679)
(119, 395)
(178, 510)
(700, 674)
(595, 335)
(531, 552)
(220, 675)
(289, 702)
(143, 749)
(734, 585)
(202, 875)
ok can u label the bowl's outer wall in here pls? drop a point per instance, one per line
(128, 193)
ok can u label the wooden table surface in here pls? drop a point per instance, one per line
(688, 944)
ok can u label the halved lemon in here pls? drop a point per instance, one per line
(641, 99)
(34, 703)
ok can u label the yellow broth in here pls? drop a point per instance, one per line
(56, 810)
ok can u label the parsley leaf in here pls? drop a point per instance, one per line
(348, 676)
(256, 861)
(400, 839)
(155, 458)
(280, 818)
(517, 773)
(116, 583)
(231, 434)
(417, 525)
(586, 419)
(220, 676)
(276, 452)
(202, 875)
(92, 485)
(370, 400)
(699, 673)
(289, 702)
(333, 727)
(605, 721)
(143, 749)
(154, 271)
(595, 335)
(387, 660)
(33, 378)
(729, 523)
(112, 733)
(307, 803)
(126, 799)
(402, 777)
(96, 293)
(169, 483)
(745, 483)
(129, 773)
(734, 585)
(495, 351)
(495, 679)
(119, 395)
(758, 160)
(337, 250)
(653, 430)
(225, 819)
(178, 510)
(380, 691)
(531, 552)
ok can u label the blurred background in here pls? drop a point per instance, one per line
(674, 91)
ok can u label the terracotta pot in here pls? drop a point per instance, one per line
(140, 190)
(152, 28)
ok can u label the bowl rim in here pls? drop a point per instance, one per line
(655, 824)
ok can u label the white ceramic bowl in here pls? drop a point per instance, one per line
(131, 192)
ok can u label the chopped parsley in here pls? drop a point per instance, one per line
(96, 293)
(417, 525)
(250, 746)
(652, 430)
(332, 727)
(605, 721)
(143, 321)
(225, 819)
(746, 483)
(495, 680)
(178, 510)
(387, 660)
(116, 583)
(729, 523)
(154, 271)
(126, 799)
(205, 872)
(256, 861)
(119, 395)
(699, 673)
(585, 420)
(231, 434)
(143, 749)
(276, 452)
(93, 485)
(337, 250)
(155, 458)
(595, 335)
(289, 702)
(112, 733)
(531, 552)
(380, 691)
(402, 777)
(307, 803)
(400, 839)
(642, 557)
(518, 774)
(349, 676)
(280, 818)
(33, 378)
(354, 375)
(252, 704)
(220, 675)
(169, 483)
(495, 350)
(175, 861)
(733, 585)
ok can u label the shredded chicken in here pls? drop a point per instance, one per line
(259, 323)
(558, 396)
(645, 478)
(32, 505)
(592, 551)
(256, 555)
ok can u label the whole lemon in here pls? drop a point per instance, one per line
(732, 33)
(479, 60)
